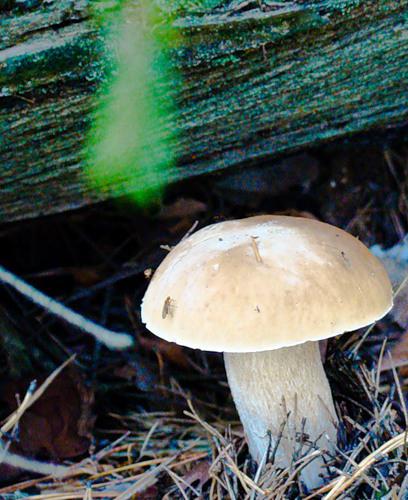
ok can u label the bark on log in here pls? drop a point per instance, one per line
(260, 79)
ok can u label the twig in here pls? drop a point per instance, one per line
(147, 479)
(190, 231)
(342, 483)
(114, 340)
(33, 465)
(256, 250)
(179, 481)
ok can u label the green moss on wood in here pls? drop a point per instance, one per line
(255, 84)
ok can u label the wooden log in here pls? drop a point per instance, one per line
(260, 79)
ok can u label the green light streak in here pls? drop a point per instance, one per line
(129, 146)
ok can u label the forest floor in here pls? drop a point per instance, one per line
(157, 420)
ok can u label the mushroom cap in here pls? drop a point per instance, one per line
(263, 283)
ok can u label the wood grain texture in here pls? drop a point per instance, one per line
(257, 83)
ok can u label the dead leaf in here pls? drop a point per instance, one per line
(246, 186)
(182, 207)
(400, 309)
(138, 372)
(82, 275)
(150, 493)
(58, 425)
(298, 213)
(395, 260)
(199, 474)
(86, 276)
(399, 355)
(169, 350)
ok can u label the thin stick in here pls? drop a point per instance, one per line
(256, 250)
(147, 479)
(343, 482)
(33, 465)
(179, 481)
(113, 340)
(190, 231)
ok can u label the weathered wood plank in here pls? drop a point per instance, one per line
(256, 83)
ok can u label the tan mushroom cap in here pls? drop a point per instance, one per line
(263, 283)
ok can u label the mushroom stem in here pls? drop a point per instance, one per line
(286, 386)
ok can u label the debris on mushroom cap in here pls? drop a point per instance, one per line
(263, 283)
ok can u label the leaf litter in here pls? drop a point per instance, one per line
(157, 420)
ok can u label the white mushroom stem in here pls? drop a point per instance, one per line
(287, 387)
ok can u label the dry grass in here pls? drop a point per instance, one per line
(165, 456)
(171, 431)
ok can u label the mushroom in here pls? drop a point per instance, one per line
(264, 290)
